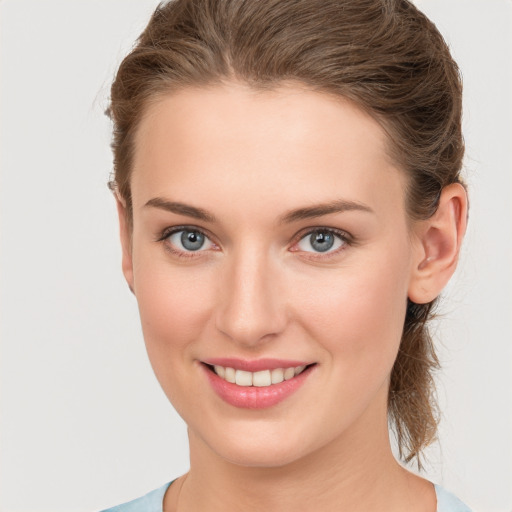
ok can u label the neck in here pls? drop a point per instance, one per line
(355, 472)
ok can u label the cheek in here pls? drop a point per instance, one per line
(174, 306)
(357, 312)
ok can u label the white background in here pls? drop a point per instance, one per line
(83, 421)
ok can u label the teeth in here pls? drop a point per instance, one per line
(277, 376)
(258, 379)
(289, 373)
(243, 378)
(299, 369)
(261, 379)
(220, 371)
(229, 375)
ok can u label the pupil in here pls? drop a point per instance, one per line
(322, 242)
(192, 240)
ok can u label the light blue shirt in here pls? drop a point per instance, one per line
(153, 501)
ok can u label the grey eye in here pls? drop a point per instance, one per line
(192, 240)
(189, 240)
(321, 240)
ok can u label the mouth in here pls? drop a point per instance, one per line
(261, 378)
(256, 385)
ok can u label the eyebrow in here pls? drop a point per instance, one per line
(181, 209)
(319, 210)
(309, 212)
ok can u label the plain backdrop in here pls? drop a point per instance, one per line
(84, 424)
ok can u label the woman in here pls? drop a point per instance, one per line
(290, 206)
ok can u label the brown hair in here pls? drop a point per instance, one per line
(384, 55)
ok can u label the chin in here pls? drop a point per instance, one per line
(261, 444)
(268, 456)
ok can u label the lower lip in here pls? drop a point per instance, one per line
(252, 397)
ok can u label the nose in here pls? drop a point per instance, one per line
(251, 304)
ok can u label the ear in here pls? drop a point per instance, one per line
(125, 233)
(439, 239)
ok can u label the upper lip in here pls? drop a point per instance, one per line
(254, 365)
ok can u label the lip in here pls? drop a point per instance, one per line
(255, 365)
(252, 397)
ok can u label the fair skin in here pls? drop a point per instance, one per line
(257, 285)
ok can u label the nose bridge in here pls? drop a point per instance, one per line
(251, 308)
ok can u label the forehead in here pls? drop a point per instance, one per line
(289, 141)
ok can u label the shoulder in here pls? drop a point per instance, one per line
(447, 502)
(151, 502)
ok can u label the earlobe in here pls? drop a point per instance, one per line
(126, 241)
(439, 242)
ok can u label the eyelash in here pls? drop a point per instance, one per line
(168, 232)
(345, 238)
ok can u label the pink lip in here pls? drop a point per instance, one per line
(251, 397)
(256, 365)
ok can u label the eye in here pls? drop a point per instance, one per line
(188, 240)
(321, 241)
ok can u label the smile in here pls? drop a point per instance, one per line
(256, 384)
(260, 379)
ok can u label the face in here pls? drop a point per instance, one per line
(270, 247)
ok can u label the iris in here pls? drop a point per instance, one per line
(321, 241)
(192, 240)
